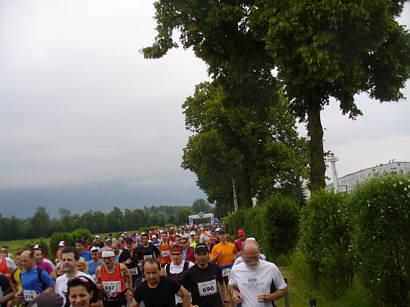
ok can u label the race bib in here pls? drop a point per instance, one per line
(207, 288)
(29, 295)
(165, 253)
(112, 287)
(133, 271)
(147, 257)
(226, 272)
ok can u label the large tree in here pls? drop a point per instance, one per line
(333, 48)
(257, 148)
(243, 85)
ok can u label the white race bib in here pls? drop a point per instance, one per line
(226, 272)
(165, 253)
(207, 288)
(147, 257)
(112, 287)
(29, 295)
(133, 271)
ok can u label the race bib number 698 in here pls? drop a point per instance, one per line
(207, 288)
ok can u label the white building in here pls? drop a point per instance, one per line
(348, 182)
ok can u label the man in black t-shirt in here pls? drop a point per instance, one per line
(146, 250)
(158, 291)
(204, 281)
(130, 257)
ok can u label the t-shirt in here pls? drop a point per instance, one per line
(15, 278)
(227, 252)
(61, 284)
(133, 265)
(147, 252)
(86, 255)
(253, 282)
(4, 287)
(92, 266)
(204, 285)
(46, 267)
(161, 296)
(177, 269)
(32, 285)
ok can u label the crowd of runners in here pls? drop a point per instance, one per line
(179, 266)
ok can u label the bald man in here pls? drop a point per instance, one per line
(256, 282)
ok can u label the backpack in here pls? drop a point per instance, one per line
(39, 271)
(177, 277)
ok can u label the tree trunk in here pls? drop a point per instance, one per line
(245, 189)
(317, 162)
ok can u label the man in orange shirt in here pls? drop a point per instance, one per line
(165, 250)
(224, 254)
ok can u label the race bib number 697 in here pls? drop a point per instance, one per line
(207, 288)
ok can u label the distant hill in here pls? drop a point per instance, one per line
(99, 196)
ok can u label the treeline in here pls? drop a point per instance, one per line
(41, 225)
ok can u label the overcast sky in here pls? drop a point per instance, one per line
(80, 106)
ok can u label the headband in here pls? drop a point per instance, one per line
(108, 254)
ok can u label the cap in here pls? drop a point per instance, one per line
(223, 230)
(37, 246)
(176, 249)
(154, 236)
(241, 232)
(95, 249)
(62, 243)
(97, 236)
(217, 229)
(47, 299)
(193, 232)
(201, 247)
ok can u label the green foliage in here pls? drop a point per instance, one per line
(337, 49)
(55, 239)
(326, 239)
(273, 223)
(42, 242)
(201, 205)
(80, 233)
(382, 237)
(148, 228)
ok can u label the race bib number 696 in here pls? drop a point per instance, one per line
(207, 288)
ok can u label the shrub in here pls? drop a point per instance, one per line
(42, 242)
(273, 223)
(326, 240)
(56, 238)
(382, 237)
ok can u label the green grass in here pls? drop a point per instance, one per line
(16, 245)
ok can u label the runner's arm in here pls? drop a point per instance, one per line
(224, 293)
(126, 274)
(186, 297)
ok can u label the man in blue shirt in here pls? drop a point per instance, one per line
(95, 262)
(79, 244)
(33, 282)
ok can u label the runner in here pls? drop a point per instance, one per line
(147, 250)
(224, 254)
(176, 269)
(6, 292)
(204, 281)
(7, 265)
(159, 290)
(256, 282)
(95, 262)
(82, 291)
(79, 244)
(130, 257)
(165, 249)
(240, 240)
(38, 258)
(33, 279)
(70, 257)
(112, 278)
(188, 251)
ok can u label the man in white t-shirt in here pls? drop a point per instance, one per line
(69, 257)
(255, 282)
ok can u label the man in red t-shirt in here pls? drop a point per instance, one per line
(239, 242)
